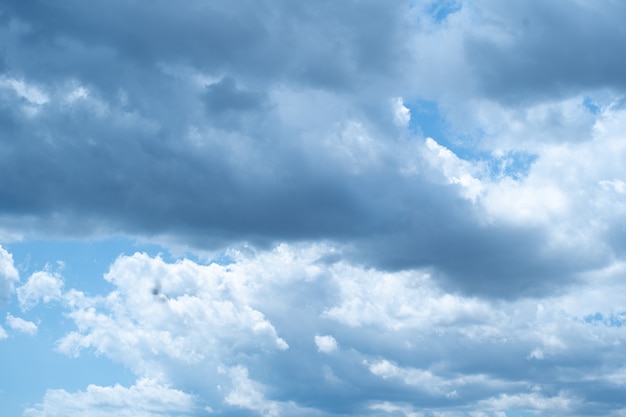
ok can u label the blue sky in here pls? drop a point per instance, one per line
(312, 209)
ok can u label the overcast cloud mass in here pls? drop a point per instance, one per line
(368, 207)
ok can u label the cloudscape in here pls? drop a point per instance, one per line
(312, 208)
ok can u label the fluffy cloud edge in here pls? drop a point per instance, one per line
(146, 398)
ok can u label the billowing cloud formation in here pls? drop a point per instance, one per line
(256, 335)
(216, 124)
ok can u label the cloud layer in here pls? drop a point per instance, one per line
(215, 124)
(283, 332)
(365, 267)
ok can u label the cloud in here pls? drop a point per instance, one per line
(41, 286)
(402, 114)
(468, 272)
(246, 394)
(540, 35)
(278, 123)
(194, 319)
(8, 275)
(561, 403)
(325, 344)
(21, 325)
(146, 398)
(246, 336)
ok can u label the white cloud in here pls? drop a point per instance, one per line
(42, 286)
(218, 330)
(21, 325)
(370, 297)
(454, 169)
(401, 113)
(25, 90)
(197, 318)
(561, 404)
(390, 408)
(3, 333)
(536, 354)
(147, 398)
(617, 185)
(248, 394)
(430, 383)
(8, 274)
(325, 344)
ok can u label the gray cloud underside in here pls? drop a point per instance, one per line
(217, 123)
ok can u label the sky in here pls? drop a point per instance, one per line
(268, 208)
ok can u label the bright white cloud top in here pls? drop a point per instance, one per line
(329, 208)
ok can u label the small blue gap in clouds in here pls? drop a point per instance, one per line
(591, 105)
(223, 259)
(613, 320)
(428, 120)
(515, 165)
(441, 9)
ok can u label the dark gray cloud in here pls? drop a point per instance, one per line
(544, 50)
(217, 123)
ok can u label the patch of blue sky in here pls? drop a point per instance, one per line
(613, 320)
(441, 9)
(35, 365)
(222, 259)
(81, 263)
(429, 121)
(31, 365)
(591, 105)
(515, 165)
(426, 118)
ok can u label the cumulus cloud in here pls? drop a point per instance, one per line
(246, 394)
(193, 319)
(21, 325)
(41, 286)
(147, 398)
(247, 335)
